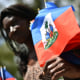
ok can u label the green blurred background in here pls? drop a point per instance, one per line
(7, 57)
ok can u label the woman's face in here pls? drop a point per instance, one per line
(17, 28)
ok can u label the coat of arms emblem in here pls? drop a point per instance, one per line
(48, 31)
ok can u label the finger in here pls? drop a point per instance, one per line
(59, 67)
(48, 63)
(54, 64)
(58, 74)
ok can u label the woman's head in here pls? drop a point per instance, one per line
(15, 20)
(17, 28)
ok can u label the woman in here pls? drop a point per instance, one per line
(15, 21)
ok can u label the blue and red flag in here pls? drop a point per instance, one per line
(54, 30)
(7, 75)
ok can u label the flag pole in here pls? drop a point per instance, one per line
(2, 74)
(4, 67)
(42, 4)
(45, 3)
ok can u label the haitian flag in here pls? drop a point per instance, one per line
(7, 75)
(54, 30)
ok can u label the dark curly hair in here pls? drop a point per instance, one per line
(18, 10)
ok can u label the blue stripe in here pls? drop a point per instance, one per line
(0, 73)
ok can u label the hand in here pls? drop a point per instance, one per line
(59, 67)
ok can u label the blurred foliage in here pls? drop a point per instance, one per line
(7, 59)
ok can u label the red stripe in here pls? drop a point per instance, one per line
(10, 79)
(0, 78)
(76, 41)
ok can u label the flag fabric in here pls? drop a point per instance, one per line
(7, 75)
(50, 4)
(54, 30)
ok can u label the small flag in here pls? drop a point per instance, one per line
(54, 30)
(7, 75)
